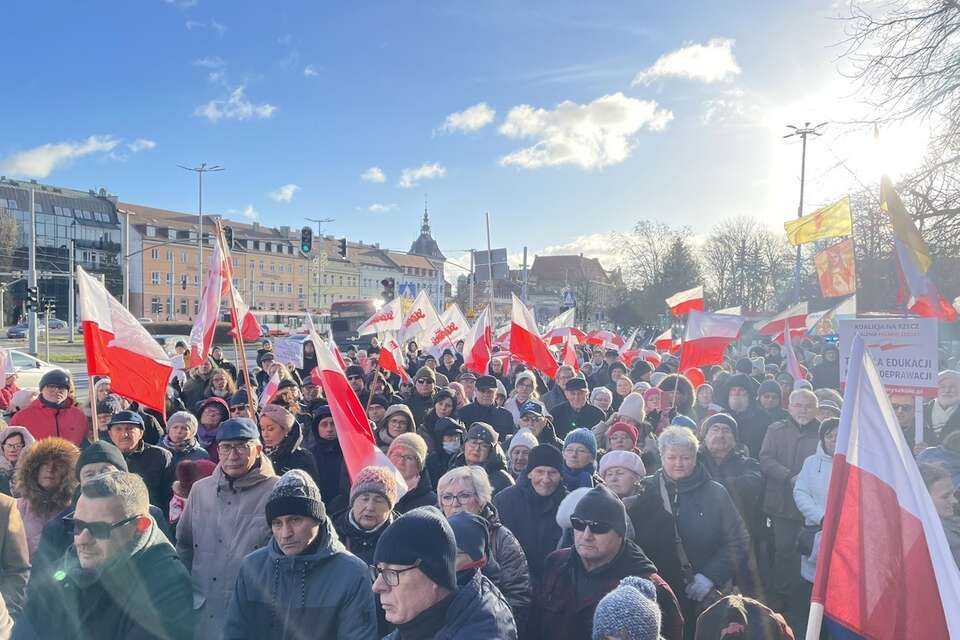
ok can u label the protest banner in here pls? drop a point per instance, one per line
(289, 351)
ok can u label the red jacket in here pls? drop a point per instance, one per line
(6, 394)
(43, 421)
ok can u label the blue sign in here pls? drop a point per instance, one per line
(568, 299)
(407, 289)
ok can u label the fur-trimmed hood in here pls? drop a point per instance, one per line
(64, 454)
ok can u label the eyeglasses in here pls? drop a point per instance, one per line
(99, 530)
(239, 408)
(460, 498)
(399, 457)
(598, 528)
(390, 576)
(227, 448)
(13, 445)
(354, 377)
(902, 407)
(425, 381)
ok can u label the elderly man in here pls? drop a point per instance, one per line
(575, 412)
(121, 578)
(415, 565)
(150, 462)
(555, 397)
(317, 589)
(224, 520)
(940, 416)
(787, 444)
(468, 380)
(484, 409)
(576, 578)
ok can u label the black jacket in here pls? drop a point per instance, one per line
(422, 495)
(495, 466)
(419, 405)
(497, 417)
(360, 542)
(741, 477)
(533, 520)
(333, 479)
(155, 465)
(290, 455)
(566, 418)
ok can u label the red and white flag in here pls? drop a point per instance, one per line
(250, 328)
(707, 337)
(684, 302)
(630, 356)
(525, 342)
(269, 391)
(453, 327)
(559, 335)
(387, 319)
(664, 342)
(628, 344)
(118, 346)
(391, 358)
(421, 318)
(478, 343)
(793, 365)
(215, 285)
(884, 568)
(564, 319)
(569, 355)
(606, 339)
(353, 429)
(795, 318)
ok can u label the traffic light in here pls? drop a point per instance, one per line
(306, 239)
(50, 306)
(228, 237)
(342, 247)
(33, 302)
(389, 289)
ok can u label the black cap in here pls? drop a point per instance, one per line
(611, 353)
(486, 383)
(354, 370)
(602, 505)
(421, 535)
(127, 417)
(379, 399)
(576, 384)
(545, 455)
(286, 383)
(443, 426)
(532, 406)
(483, 431)
(239, 398)
(55, 377)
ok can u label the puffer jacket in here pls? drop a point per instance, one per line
(44, 420)
(478, 611)
(513, 578)
(323, 593)
(495, 466)
(784, 449)
(810, 494)
(6, 467)
(532, 518)
(224, 520)
(290, 455)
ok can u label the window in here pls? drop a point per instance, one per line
(273, 306)
(260, 286)
(155, 305)
(301, 269)
(192, 235)
(155, 254)
(341, 281)
(196, 307)
(169, 255)
(172, 234)
(273, 268)
(261, 266)
(183, 258)
(300, 291)
(151, 231)
(250, 245)
(155, 278)
(196, 280)
(169, 278)
(183, 306)
(289, 287)
(273, 287)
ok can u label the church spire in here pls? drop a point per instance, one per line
(425, 227)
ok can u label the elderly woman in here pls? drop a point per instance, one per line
(408, 453)
(210, 414)
(397, 419)
(622, 472)
(602, 398)
(524, 389)
(623, 436)
(46, 481)
(13, 442)
(444, 405)
(282, 439)
(481, 448)
(221, 385)
(940, 415)
(579, 459)
(681, 500)
(810, 491)
(181, 438)
(518, 450)
(373, 497)
(468, 489)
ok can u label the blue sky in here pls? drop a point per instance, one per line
(314, 95)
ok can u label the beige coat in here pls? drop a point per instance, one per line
(221, 524)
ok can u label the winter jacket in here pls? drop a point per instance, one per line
(223, 521)
(566, 418)
(332, 476)
(290, 455)
(45, 420)
(784, 449)
(714, 535)
(193, 390)
(741, 477)
(514, 406)
(188, 451)
(532, 518)
(6, 467)
(6, 395)
(382, 436)
(497, 417)
(553, 398)
(932, 437)
(422, 495)
(568, 594)
(155, 465)
(826, 375)
(323, 593)
(14, 556)
(513, 577)
(495, 466)
(143, 596)
(419, 406)
(810, 495)
(477, 611)
(357, 540)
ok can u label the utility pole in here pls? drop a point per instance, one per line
(523, 291)
(172, 312)
(125, 252)
(321, 251)
(71, 300)
(471, 277)
(803, 132)
(32, 272)
(490, 268)
(202, 169)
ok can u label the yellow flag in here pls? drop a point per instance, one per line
(831, 221)
(903, 227)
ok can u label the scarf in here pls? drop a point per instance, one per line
(940, 415)
(186, 445)
(206, 438)
(577, 478)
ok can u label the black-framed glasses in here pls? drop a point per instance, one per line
(99, 530)
(461, 498)
(238, 408)
(390, 576)
(598, 528)
(236, 448)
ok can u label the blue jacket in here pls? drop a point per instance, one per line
(478, 612)
(325, 593)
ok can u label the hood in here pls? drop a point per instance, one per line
(822, 455)
(739, 380)
(62, 453)
(382, 435)
(329, 546)
(770, 386)
(477, 607)
(28, 440)
(259, 473)
(290, 442)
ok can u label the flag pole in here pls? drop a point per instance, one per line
(94, 422)
(814, 621)
(238, 337)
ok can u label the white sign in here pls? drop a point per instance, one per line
(289, 351)
(903, 349)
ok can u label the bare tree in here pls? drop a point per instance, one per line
(645, 249)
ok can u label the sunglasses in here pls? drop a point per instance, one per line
(238, 408)
(598, 528)
(902, 407)
(425, 381)
(99, 530)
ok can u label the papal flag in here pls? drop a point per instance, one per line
(832, 221)
(836, 269)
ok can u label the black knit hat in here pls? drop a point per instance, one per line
(57, 377)
(295, 494)
(545, 455)
(721, 418)
(602, 505)
(471, 534)
(101, 451)
(483, 431)
(423, 535)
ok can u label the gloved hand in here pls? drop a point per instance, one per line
(699, 588)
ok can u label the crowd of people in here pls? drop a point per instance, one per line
(616, 501)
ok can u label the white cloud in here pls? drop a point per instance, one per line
(182, 4)
(410, 178)
(310, 71)
(218, 27)
(41, 161)
(381, 208)
(710, 62)
(373, 174)
(470, 119)
(210, 62)
(235, 107)
(141, 144)
(284, 193)
(590, 136)
(247, 212)
(595, 245)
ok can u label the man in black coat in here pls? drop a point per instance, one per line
(484, 409)
(739, 400)
(529, 509)
(575, 412)
(153, 464)
(424, 394)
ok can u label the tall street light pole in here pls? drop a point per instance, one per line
(202, 169)
(321, 249)
(802, 132)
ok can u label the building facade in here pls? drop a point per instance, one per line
(554, 281)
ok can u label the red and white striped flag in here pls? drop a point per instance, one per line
(707, 337)
(387, 319)
(664, 342)
(452, 328)
(478, 344)
(421, 318)
(795, 318)
(117, 345)
(269, 391)
(793, 365)
(684, 302)
(525, 342)
(569, 354)
(391, 358)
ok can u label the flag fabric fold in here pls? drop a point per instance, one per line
(664, 342)
(795, 317)
(569, 354)
(391, 358)
(478, 343)
(270, 390)
(117, 345)
(421, 318)
(793, 365)
(564, 319)
(831, 221)
(683, 302)
(451, 328)
(387, 319)
(525, 342)
(707, 337)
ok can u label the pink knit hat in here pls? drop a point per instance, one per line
(379, 480)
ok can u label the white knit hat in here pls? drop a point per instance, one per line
(522, 438)
(633, 407)
(568, 504)
(624, 459)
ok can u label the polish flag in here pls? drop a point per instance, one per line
(793, 365)
(605, 339)
(630, 356)
(684, 302)
(391, 358)
(250, 328)
(477, 344)
(626, 346)
(884, 568)
(273, 385)
(452, 328)
(118, 346)
(525, 342)
(707, 337)
(795, 318)
(387, 318)
(569, 354)
(559, 335)
(353, 429)
(503, 338)
(421, 318)
(565, 319)
(794, 333)
(664, 342)
(205, 324)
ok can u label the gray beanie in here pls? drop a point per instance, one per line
(629, 612)
(295, 494)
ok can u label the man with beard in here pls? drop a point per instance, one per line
(752, 421)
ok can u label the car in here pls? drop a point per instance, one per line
(57, 323)
(20, 331)
(29, 369)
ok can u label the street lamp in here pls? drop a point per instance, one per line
(202, 169)
(802, 132)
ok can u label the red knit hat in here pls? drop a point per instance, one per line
(189, 471)
(624, 427)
